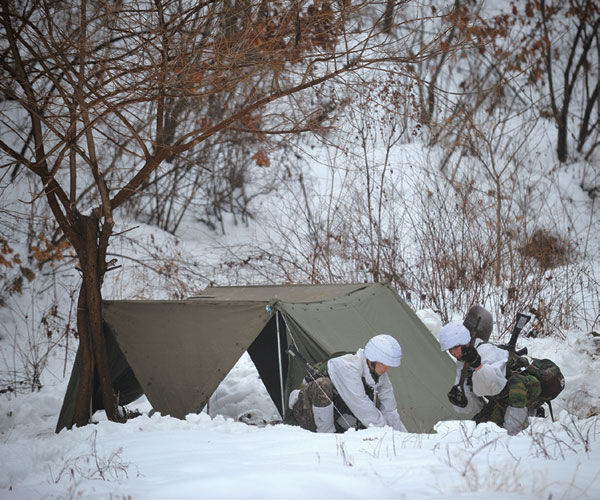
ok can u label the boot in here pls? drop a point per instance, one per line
(293, 398)
(323, 416)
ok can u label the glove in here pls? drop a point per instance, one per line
(471, 356)
(457, 397)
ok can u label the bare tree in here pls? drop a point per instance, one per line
(552, 46)
(572, 69)
(82, 79)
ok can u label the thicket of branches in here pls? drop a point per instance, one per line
(167, 110)
(100, 99)
(470, 222)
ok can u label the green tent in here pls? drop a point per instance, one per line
(177, 352)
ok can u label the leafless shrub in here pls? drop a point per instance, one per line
(156, 267)
(484, 468)
(33, 340)
(582, 404)
(444, 241)
(347, 460)
(36, 292)
(573, 436)
(223, 176)
(549, 250)
(92, 465)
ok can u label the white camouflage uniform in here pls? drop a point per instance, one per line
(346, 373)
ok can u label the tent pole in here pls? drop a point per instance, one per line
(280, 365)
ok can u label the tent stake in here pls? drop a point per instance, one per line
(280, 365)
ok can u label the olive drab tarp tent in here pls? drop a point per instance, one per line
(177, 352)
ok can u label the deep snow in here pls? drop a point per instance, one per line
(214, 456)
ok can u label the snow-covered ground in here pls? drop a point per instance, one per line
(238, 449)
(214, 455)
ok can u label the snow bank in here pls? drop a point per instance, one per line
(213, 456)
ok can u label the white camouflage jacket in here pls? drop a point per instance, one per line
(489, 380)
(346, 373)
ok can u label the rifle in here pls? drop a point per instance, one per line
(457, 393)
(310, 369)
(472, 325)
(522, 320)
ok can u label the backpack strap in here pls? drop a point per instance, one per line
(550, 408)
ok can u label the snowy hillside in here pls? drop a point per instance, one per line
(240, 450)
(433, 158)
(217, 457)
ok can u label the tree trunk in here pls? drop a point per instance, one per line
(89, 321)
(498, 263)
(388, 16)
(562, 148)
(86, 375)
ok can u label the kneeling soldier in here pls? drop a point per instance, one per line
(354, 391)
(511, 396)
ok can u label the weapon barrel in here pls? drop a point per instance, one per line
(522, 320)
(314, 374)
(472, 327)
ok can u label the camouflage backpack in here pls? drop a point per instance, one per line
(321, 366)
(551, 378)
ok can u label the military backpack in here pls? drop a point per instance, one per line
(551, 378)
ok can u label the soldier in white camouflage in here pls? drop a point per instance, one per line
(511, 397)
(354, 390)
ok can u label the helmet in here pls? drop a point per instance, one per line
(453, 334)
(479, 320)
(384, 349)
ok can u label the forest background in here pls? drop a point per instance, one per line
(149, 149)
